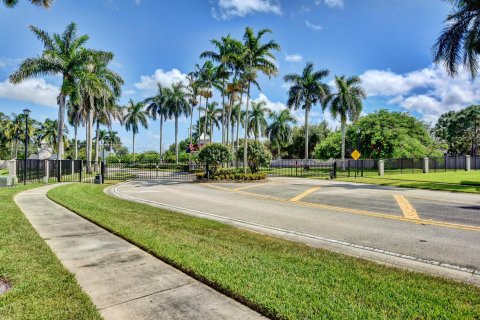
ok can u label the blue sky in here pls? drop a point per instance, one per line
(386, 42)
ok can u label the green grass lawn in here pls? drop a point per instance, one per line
(41, 287)
(461, 181)
(283, 279)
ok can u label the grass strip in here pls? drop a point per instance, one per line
(280, 278)
(41, 287)
(456, 181)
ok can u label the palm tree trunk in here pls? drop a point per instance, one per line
(75, 132)
(343, 127)
(191, 123)
(176, 139)
(223, 111)
(237, 163)
(245, 146)
(97, 130)
(206, 117)
(133, 146)
(278, 149)
(161, 136)
(61, 112)
(306, 131)
(199, 116)
(89, 141)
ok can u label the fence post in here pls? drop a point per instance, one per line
(46, 172)
(425, 165)
(102, 171)
(334, 175)
(381, 167)
(81, 169)
(12, 167)
(59, 171)
(467, 163)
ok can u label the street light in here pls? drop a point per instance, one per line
(26, 112)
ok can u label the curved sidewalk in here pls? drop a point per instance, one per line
(123, 281)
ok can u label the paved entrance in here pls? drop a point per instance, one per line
(416, 229)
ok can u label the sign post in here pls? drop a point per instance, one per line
(356, 155)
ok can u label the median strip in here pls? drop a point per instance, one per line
(408, 210)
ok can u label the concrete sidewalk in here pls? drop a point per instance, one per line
(123, 281)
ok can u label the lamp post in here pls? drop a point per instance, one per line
(26, 112)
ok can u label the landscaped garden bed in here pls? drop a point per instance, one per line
(231, 174)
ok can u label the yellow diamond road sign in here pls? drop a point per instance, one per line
(355, 154)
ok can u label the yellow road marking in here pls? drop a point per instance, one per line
(353, 211)
(304, 194)
(408, 210)
(251, 186)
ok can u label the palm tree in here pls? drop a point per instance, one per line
(112, 140)
(280, 131)
(194, 89)
(460, 36)
(76, 117)
(63, 54)
(157, 107)
(213, 114)
(346, 103)
(257, 57)
(12, 131)
(177, 105)
(48, 132)
(257, 123)
(134, 117)
(306, 91)
(208, 78)
(39, 3)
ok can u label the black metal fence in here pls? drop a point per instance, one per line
(123, 171)
(49, 171)
(300, 168)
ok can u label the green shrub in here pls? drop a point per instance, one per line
(214, 154)
(257, 155)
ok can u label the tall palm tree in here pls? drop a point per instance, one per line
(157, 107)
(213, 114)
(257, 122)
(257, 57)
(76, 117)
(39, 3)
(12, 131)
(112, 140)
(280, 131)
(177, 105)
(346, 103)
(194, 90)
(459, 41)
(63, 54)
(134, 117)
(307, 90)
(208, 78)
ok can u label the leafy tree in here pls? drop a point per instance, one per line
(317, 133)
(382, 135)
(346, 103)
(48, 133)
(258, 155)
(279, 131)
(135, 117)
(214, 154)
(460, 130)
(459, 41)
(306, 91)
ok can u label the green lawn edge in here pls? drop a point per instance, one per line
(280, 278)
(42, 288)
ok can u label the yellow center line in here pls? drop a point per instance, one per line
(353, 211)
(304, 194)
(252, 186)
(408, 210)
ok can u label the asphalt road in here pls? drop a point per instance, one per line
(430, 226)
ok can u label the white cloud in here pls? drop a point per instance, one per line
(313, 26)
(330, 3)
(226, 9)
(429, 91)
(148, 84)
(8, 62)
(37, 91)
(293, 58)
